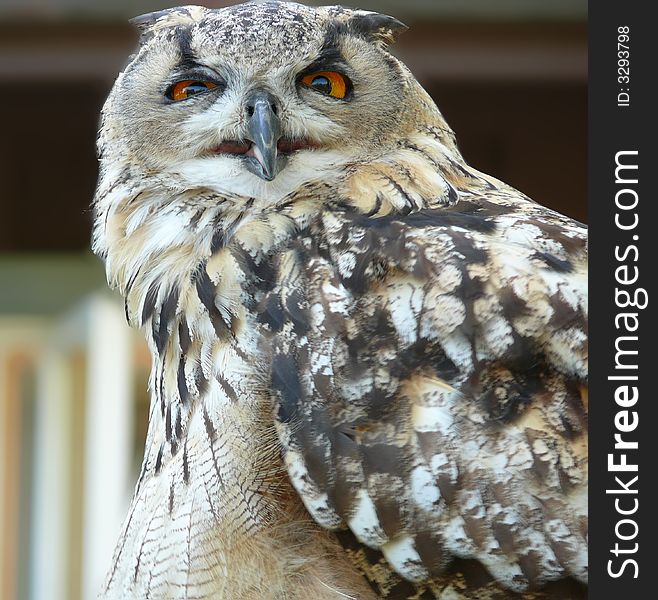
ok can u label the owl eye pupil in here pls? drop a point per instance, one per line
(195, 87)
(322, 84)
(328, 83)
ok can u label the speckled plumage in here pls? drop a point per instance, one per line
(369, 374)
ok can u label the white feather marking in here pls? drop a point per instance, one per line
(403, 557)
(431, 418)
(337, 298)
(404, 311)
(498, 335)
(364, 523)
(346, 264)
(442, 465)
(316, 502)
(459, 350)
(226, 174)
(456, 540)
(424, 491)
(448, 278)
(444, 312)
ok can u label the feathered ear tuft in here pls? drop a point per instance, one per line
(147, 20)
(377, 27)
(181, 15)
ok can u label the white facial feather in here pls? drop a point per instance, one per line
(226, 175)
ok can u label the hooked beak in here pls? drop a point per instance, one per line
(263, 148)
(264, 131)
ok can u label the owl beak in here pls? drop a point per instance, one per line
(264, 131)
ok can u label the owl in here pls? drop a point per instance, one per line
(369, 374)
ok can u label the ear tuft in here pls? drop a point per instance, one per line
(147, 20)
(376, 26)
(181, 15)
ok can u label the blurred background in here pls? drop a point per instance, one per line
(510, 77)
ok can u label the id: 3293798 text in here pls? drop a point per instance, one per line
(623, 65)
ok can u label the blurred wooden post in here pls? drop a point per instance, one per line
(109, 437)
(52, 479)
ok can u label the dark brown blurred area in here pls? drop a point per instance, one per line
(514, 89)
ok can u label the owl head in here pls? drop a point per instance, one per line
(254, 91)
(247, 105)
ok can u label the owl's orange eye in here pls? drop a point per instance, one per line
(331, 83)
(184, 89)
